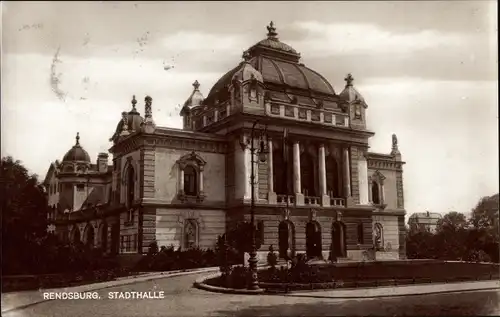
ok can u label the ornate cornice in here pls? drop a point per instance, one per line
(181, 140)
(384, 164)
(188, 144)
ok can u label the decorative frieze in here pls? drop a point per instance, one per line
(399, 188)
(383, 164)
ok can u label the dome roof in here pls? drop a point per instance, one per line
(196, 98)
(76, 153)
(134, 121)
(279, 64)
(350, 94)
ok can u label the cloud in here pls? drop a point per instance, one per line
(107, 85)
(328, 39)
(448, 135)
(197, 41)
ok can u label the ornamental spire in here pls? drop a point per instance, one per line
(349, 79)
(196, 85)
(77, 139)
(271, 32)
(134, 102)
(246, 56)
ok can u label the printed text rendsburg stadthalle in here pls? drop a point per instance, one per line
(111, 295)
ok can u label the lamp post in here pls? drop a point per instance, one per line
(261, 151)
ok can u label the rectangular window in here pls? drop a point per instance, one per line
(130, 215)
(134, 242)
(80, 187)
(128, 242)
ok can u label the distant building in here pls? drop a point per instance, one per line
(424, 221)
(185, 187)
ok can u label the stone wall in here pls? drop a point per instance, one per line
(390, 187)
(390, 233)
(167, 173)
(169, 224)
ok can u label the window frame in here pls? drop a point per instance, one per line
(194, 161)
(377, 179)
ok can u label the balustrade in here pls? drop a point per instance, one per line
(301, 113)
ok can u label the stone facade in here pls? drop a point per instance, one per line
(316, 187)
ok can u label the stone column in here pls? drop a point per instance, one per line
(181, 181)
(347, 172)
(246, 171)
(299, 197)
(271, 195)
(325, 199)
(364, 185)
(200, 183)
(382, 193)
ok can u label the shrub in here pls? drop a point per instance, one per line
(238, 277)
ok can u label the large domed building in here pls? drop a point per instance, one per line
(315, 185)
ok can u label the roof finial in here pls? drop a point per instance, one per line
(77, 138)
(271, 31)
(395, 149)
(196, 85)
(134, 102)
(246, 56)
(349, 79)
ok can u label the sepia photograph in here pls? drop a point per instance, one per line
(249, 158)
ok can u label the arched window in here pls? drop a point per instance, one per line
(89, 236)
(361, 234)
(376, 182)
(375, 193)
(75, 236)
(313, 239)
(190, 234)
(338, 239)
(130, 197)
(190, 181)
(103, 237)
(130, 186)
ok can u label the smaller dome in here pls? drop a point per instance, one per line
(247, 71)
(350, 94)
(77, 153)
(134, 121)
(196, 98)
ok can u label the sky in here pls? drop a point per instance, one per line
(427, 69)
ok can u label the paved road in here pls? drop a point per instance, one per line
(183, 300)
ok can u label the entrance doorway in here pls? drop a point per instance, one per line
(313, 240)
(338, 239)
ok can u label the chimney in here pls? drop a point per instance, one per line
(102, 162)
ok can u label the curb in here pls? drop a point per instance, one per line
(333, 296)
(217, 289)
(117, 282)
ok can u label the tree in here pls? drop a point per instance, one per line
(24, 213)
(420, 245)
(485, 228)
(453, 221)
(485, 215)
